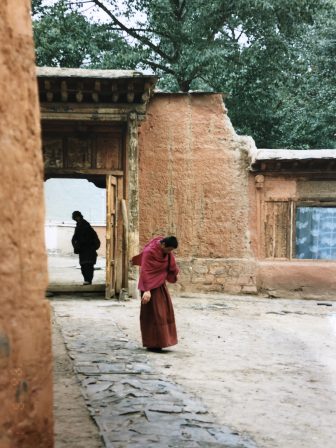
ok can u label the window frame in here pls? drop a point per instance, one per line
(307, 203)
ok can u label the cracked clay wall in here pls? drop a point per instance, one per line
(25, 344)
(193, 182)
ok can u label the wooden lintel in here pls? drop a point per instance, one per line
(102, 108)
(93, 171)
(83, 117)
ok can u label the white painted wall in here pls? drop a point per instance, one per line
(62, 197)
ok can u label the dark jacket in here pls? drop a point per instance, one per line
(85, 242)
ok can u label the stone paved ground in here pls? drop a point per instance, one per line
(73, 423)
(131, 401)
(264, 368)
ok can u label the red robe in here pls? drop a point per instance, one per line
(157, 318)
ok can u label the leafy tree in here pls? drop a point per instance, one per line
(66, 38)
(36, 7)
(307, 114)
(273, 58)
(185, 38)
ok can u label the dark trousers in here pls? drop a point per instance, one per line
(87, 271)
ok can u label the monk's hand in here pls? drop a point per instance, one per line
(146, 297)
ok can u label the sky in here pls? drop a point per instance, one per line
(96, 14)
(63, 196)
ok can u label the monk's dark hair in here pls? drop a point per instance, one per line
(170, 241)
(76, 214)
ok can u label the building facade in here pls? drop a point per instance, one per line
(173, 164)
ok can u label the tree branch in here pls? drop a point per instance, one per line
(134, 34)
(144, 30)
(156, 65)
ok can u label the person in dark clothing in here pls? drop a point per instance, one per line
(85, 242)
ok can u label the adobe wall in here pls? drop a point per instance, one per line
(25, 345)
(289, 277)
(193, 183)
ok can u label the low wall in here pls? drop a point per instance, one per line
(297, 279)
(58, 239)
(234, 276)
(275, 279)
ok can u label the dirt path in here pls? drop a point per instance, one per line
(265, 368)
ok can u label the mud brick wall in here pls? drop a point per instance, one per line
(25, 344)
(193, 182)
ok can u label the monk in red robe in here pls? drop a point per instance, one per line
(157, 320)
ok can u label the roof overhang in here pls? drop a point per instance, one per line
(105, 92)
(287, 160)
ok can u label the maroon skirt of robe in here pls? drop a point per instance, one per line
(157, 320)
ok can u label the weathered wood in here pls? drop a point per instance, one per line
(119, 237)
(79, 153)
(94, 116)
(49, 91)
(133, 198)
(64, 91)
(277, 230)
(79, 93)
(50, 96)
(125, 239)
(292, 230)
(130, 97)
(108, 151)
(83, 147)
(111, 197)
(79, 96)
(84, 172)
(53, 153)
(259, 183)
(58, 288)
(115, 92)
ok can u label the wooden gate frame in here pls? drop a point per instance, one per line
(105, 96)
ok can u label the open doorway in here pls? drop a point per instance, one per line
(62, 197)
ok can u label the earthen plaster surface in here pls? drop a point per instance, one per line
(193, 182)
(25, 347)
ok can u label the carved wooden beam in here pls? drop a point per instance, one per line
(49, 93)
(96, 91)
(64, 91)
(147, 90)
(115, 93)
(130, 92)
(79, 93)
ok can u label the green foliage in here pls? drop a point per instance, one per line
(307, 114)
(66, 38)
(275, 59)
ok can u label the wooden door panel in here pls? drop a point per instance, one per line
(277, 229)
(111, 235)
